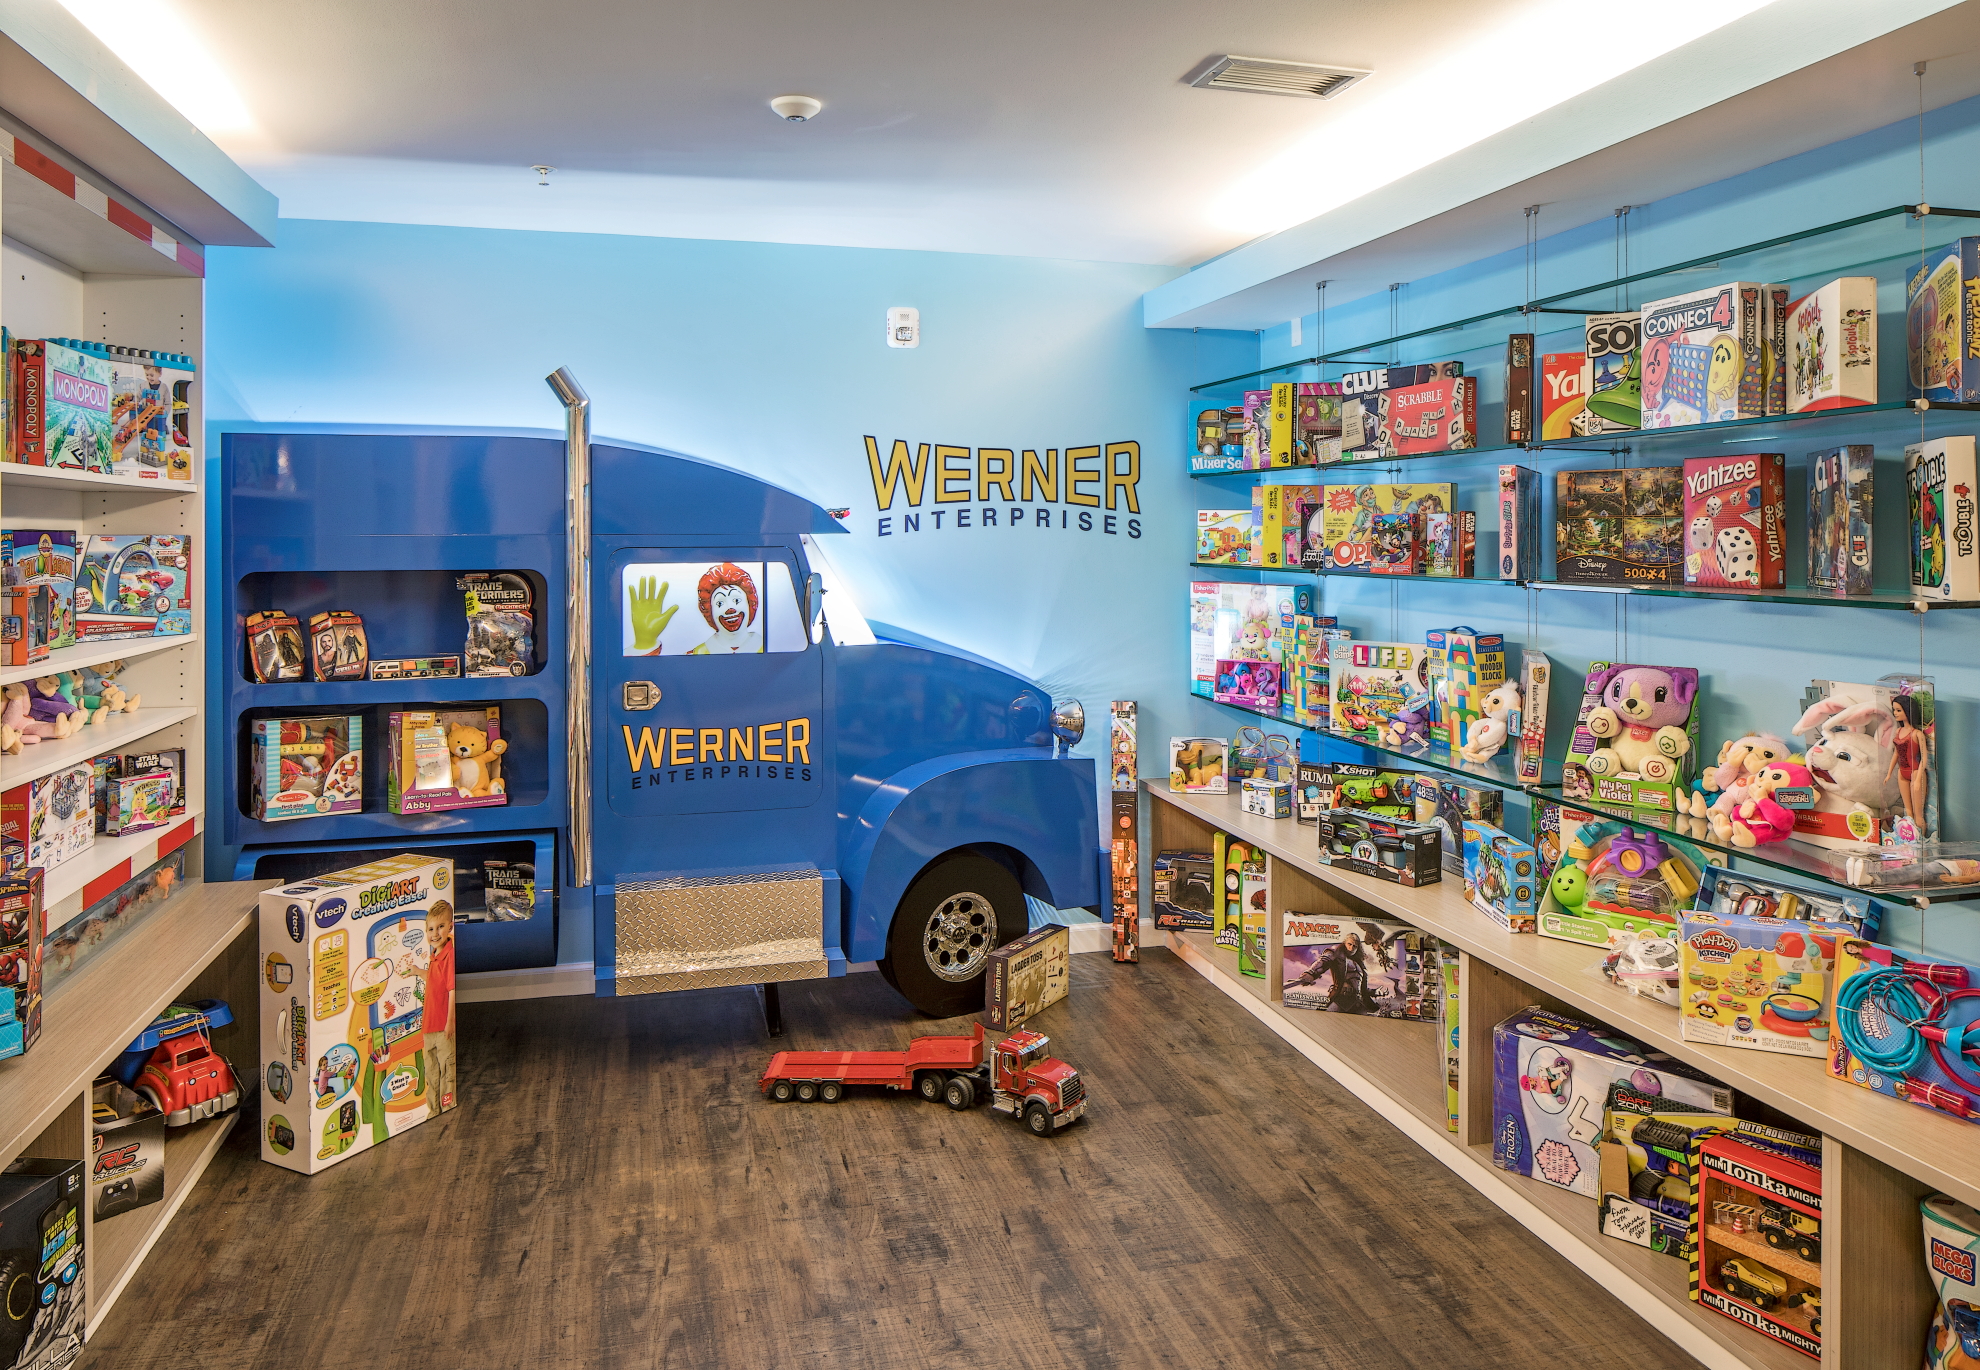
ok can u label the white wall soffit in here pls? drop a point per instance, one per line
(60, 80)
(1797, 75)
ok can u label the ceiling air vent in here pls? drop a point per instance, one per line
(1265, 76)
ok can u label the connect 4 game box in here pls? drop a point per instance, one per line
(1704, 356)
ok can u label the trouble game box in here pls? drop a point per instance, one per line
(1735, 520)
(357, 1027)
(1939, 495)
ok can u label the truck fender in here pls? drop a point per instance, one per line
(1042, 807)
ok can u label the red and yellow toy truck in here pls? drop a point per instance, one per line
(1046, 1093)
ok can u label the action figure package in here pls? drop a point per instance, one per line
(1939, 495)
(1942, 325)
(1704, 356)
(338, 650)
(1027, 976)
(275, 646)
(1832, 346)
(501, 639)
(134, 585)
(508, 891)
(1620, 526)
(1735, 518)
(437, 760)
(357, 1009)
(1368, 966)
(55, 816)
(1550, 1080)
(307, 767)
(1184, 885)
(1841, 486)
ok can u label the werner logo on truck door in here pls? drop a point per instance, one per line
(759, 751)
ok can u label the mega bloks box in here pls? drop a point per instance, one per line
(65, 417)
(21, 928)
(1735, 519)
(441, 759)
(1620, 526)
(1398, 850)
(45, 557)
(1184, 886)
(1832, 346)
(1635, 739)
(54, 815)
(1368, 966)
(1760, 984)
(307, 767)
(1756, 1243)
(1940, 490)
(1027, 976)
(134, 585)
(1348, 522)
(1952, 1259)
(127, 1150)
(1550, 1080)
(357, 1009)
(1501, 875)
(1612, 384)
(1704, 356)
(1226, 537)
(1942, 325)
(1841, 503)
(42, 1236)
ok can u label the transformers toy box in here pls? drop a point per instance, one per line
(1026, 977)
(1550, 1078)
(1756, 1240)
(357, 1012)
(1369, 966)
(41, 1264)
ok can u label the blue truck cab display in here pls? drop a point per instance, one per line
(767, 791)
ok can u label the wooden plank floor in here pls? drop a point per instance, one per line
(614, 1192)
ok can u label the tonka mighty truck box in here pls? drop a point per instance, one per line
(357, 1021)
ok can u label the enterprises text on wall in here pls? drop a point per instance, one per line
(934, 488)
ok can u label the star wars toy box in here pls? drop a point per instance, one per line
(1757, 984)
(357, 1031)
(437, 760)
(1368, 966)
(1500, 875)
(309, 767)
(1939, 495)
(1619, 526)
(1027, 976)
(1184, 884)
(1550, 1080)
(1841, 503)
(45, 557)
(134, 585)
(1832, 346)
(1612, 384)
(1905, 1067)
(127, 1150)
(21, 928)
(1400, 851)
(55, 816)
(42, 1232)
(1348, 521)
(1704, 356)
(1635, 737)
(1519, 523)
(1756, 1240)
(1942, 325)
(1952, 1261)
(1735, 521)
(61, 410)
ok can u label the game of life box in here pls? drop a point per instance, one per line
(357, 1026)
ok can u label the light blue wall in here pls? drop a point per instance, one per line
(1756, 659)
(771, 359)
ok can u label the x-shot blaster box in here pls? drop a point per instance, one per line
(1550, 1081)
(355, 1043)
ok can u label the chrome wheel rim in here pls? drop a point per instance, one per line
(960, 935)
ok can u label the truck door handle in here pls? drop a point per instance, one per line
(639, 694)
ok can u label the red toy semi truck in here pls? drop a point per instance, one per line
(1023, 1081)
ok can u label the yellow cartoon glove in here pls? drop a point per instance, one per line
(650, 613)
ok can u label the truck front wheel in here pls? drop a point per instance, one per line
(952, 917)
(1038, 1119)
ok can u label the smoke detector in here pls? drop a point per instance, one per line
(1268, 76)
(796, 108)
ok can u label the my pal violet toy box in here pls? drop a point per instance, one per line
(357, 1025)
(1550, 1078)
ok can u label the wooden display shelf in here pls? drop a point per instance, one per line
(95, 1012)
(106, 854)
(113, 733)
(21, 475)
(95, 654)
(117, 1246)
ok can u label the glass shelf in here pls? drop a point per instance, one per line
(1358, 575)
(1790, 857)
(1901, 600)
(1498, 771)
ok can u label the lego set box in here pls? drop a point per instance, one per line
(357, 1021)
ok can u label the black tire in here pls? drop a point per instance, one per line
(1038, 1120)
(929, 1084)
(19, 1302)
(1774, 1239)
(1809, 1252)
(941, 922)
(807, 1091)
(830, 1092)
(960, 1093)
(782, 1090)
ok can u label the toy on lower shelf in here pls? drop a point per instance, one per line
(1952, 1253)
(1367, 966)
(1398, 850)
(1756, 1241)
(309, 767)
(41, 1258)
(127, 1141)
(1757, 983)
(173, 1064)
(1184, 885)
(1907, 1028)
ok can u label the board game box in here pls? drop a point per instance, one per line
(1519, 388)
(1942, 324)
(1519, 523)
(1841, 483)
(1561, 397)
(1703, 356)
(1612, 386)
(1939, 484)
(1437, 416)
(1735, 519)
(1450, 544)
(1831, 338)
(1348, 522)
(1615, 525)
(1370, 680)
(1370, 966)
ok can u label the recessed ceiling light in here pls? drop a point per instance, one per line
(1268, 76)
(796, 109)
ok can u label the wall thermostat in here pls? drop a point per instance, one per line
(903, 327)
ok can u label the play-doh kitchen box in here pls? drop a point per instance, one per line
(347, 1054)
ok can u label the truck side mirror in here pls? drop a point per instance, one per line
(814, 607)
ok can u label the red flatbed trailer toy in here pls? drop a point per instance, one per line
(1046, 1093)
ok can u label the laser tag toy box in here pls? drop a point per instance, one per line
(357, 1025)
(1026, 977)
(1393, 849)
(41, 1255)
(1550, 1080)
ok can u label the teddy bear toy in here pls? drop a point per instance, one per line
(477, 762)
(1723, 786)
(46, 704)
(1641, 720)
(1759, 817)
(1488, 733)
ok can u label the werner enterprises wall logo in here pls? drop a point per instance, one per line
(1001, 488)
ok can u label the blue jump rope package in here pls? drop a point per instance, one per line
(1908, 1029)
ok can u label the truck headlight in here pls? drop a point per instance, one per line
(1068, 721)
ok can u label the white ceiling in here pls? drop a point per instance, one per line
(1025, 127)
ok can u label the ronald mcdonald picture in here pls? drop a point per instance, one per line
(734, 608)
